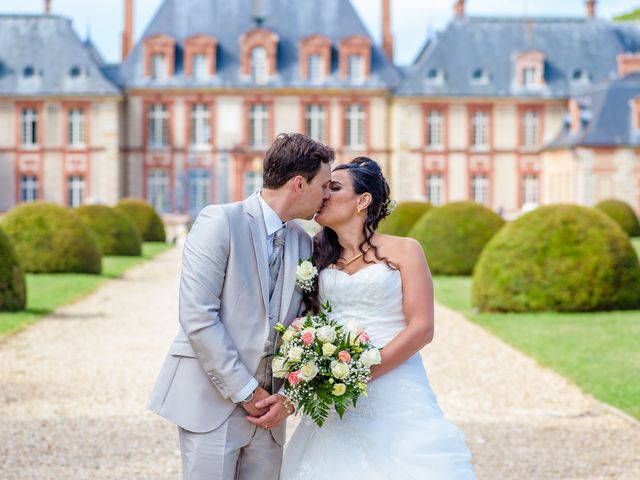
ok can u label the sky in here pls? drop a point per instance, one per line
(412, 20)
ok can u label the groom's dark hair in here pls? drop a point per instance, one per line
(294, 154)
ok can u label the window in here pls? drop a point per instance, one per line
(75, 72)
(158, 66)
(480, 77)
(529, 77)
(75, 191)
(252, 183)
(355, 68)
(315, 68)
(480, 188)
(200, 67)
(314, 122)
(435, 129)
(75, 128)
(200, 125)
(354, 127)
(158, 126)
(199, 190)
(259, 71)
(580, 77)
(530, 129)
(435, 76)
(258, 126)
(158, 189)
(480, 130)
(530, 191)
(28, 188)
(434, 188)
(28, 72)
(29, 123)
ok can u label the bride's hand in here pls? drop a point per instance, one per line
(279, 408)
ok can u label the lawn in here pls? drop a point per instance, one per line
(600, 352)
(47, 292)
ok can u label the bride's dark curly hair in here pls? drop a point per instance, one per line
(366, 176)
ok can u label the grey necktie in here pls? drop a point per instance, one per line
(275, 261)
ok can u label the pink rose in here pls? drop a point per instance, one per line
(297, 323)
(363, 337)
(294, 377)
(344, 356)
(308, 338)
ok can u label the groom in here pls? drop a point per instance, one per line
(237, 282)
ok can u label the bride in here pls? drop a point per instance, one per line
(398, 431)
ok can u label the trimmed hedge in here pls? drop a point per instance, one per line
(563, 258)
(403, 218)
(623, 214)
(453, 236)
(13, 292)
(116, 234)
(49, 238)
(144, 217)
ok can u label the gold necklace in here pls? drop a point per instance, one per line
(349, 262)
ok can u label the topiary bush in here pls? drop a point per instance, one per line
(144, 217)
(623, 214)
(13, 292)
(453, 236)
(403, 218)
(50, 238)
(116, 234)
(564, 258)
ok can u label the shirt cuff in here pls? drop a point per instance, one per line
(245, 391)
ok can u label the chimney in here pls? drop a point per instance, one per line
(127, 34)
(628, 63)
(387, 37)
(257, 13)
(591, 8)
(459, 8)
(47, 7)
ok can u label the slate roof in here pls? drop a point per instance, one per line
(227, 21)
(47, 47)
(490, 43)
(606, 116)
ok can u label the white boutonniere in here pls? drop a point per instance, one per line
(305, 275)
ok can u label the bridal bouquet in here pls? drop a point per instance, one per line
(324, 363)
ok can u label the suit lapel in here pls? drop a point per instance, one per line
(258, 236)
(290, 265)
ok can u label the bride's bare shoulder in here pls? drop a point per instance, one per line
(399, 250)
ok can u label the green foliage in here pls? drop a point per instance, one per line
(562, 258)
(116, 234)
(403, 218)
(144, 217)
(623, 214)
(628, 17)
(50, 238)
(13, 294)
(453, 236)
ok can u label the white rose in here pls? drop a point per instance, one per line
(306, 271)
(371, 357)
(326, 334)
(339, 389)
(295, 354)
(328, 349)
(288, 335)
(279, 367)
(339, 370)
(308, 372)
(354, 327)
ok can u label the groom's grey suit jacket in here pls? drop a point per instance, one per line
(224, 319)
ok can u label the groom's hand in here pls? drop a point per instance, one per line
(251, 408)
(279, 410)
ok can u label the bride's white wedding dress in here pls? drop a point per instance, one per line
(398, 430)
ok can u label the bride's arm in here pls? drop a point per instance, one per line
(417, 302)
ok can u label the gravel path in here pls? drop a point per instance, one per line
(73, 389)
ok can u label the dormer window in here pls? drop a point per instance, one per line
(355, 65)
(259, 68)
(435, 76)
(258, 54)
(28, 72)
(200, 56)
(580, 77)
(529, 72)
(480, 77)
(315, 58)
(315, 68)
(75, 72)
(355, 58)
(159, 51)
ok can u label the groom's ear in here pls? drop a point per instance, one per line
(298, 183)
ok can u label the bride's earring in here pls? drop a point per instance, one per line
(357, 211)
